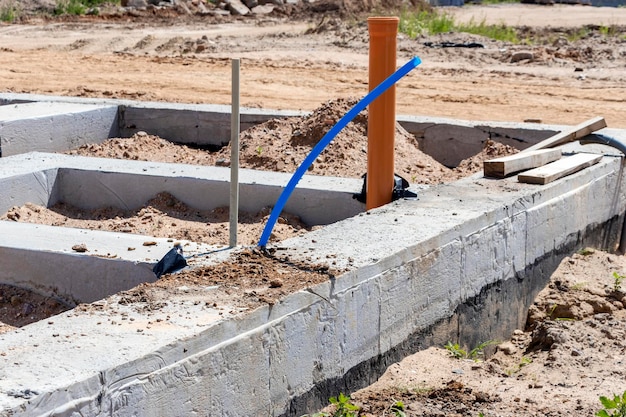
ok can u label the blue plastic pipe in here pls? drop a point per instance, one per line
(328, 137)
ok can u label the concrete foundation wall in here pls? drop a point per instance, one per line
(54, 127)
(94, 182)
(461, 263)
(418, 272)
(447, 140)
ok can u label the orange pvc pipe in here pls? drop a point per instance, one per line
(381, 123)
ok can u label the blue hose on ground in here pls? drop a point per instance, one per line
(328, 137)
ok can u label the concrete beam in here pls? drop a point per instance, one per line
(209, 125)
(98, 182)
(411, 268)
(416, 273)
(54, 127)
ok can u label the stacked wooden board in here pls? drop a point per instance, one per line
(541, 163)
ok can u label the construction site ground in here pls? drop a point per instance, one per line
(573, 348)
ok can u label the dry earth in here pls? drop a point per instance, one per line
(573, 348)
(298, 64)
(572, 351)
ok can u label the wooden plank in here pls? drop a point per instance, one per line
(506, 165)
(558, 169)
(570, 135)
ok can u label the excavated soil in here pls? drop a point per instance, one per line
(281, 145)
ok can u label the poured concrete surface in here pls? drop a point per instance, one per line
(462, 262)
(53, 127)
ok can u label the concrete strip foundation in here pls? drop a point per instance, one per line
(54, 127)
(461, 263)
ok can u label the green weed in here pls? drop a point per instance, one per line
(586, 252)
(581, 33)
(615, 407)
(499, 32)
(414, 24)
(79, 7)
(525, 361)
(397, 409)
(611, 30)
(617, 281)
(455, 350)
(343, 406)
(8, 12)
(552, 309)
(73, 7)
(475, 354)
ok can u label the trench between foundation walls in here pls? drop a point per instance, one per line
(493, 314)
(95, 188)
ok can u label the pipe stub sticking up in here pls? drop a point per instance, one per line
(381, 123)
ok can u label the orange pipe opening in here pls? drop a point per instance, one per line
(381, 123)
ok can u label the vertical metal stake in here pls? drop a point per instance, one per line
(234, 156)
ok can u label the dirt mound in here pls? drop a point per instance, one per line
(281, 145)
(19, 307)
(163, 216)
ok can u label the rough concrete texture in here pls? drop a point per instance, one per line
(463, 261)
(52, 127)
(96, 182)
(209, 125)
(198, 124)
(41, 258)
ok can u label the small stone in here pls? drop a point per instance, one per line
(522, 56)
(27, 308)
(507, 348)
(276, 283)
(80, 248)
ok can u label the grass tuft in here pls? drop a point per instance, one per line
(414, 24)
(79, 7)
(8, 12)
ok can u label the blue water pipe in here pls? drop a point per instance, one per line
(328, 137)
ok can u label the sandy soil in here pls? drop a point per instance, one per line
(572, 350)
(300, 64)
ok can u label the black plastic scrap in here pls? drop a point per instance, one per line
(453, 45)
(400, 190)
(172, 261)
